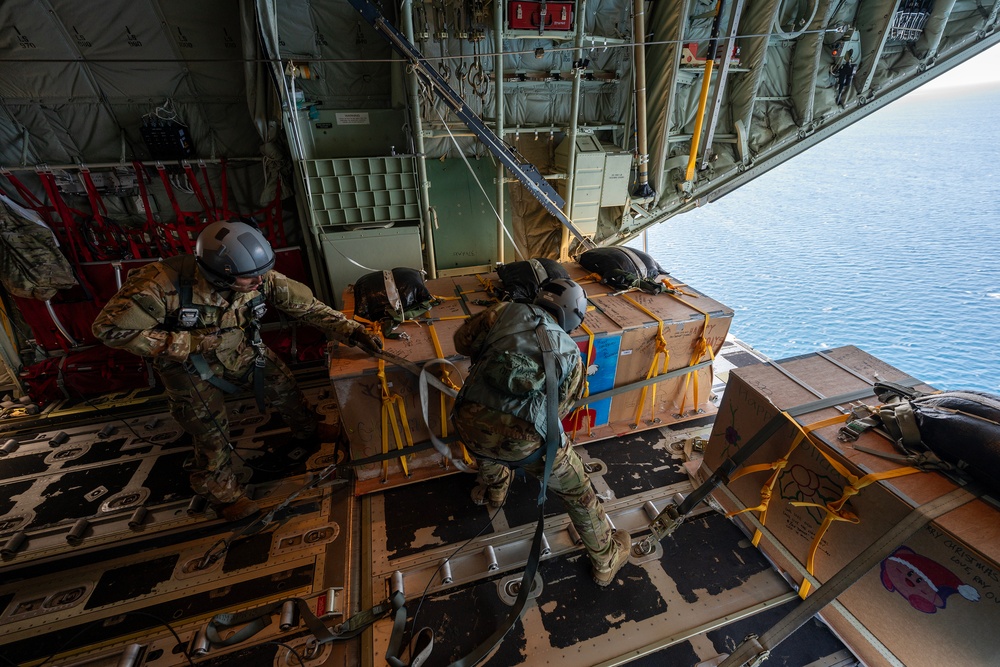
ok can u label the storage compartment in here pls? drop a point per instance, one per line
(540, 16)
(357, 191)
(600, 178)
(934, 599)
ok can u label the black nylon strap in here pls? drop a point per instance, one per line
(553, 438)
(258, 619)
(527, 580)
(256, 308)
(198, 365)
(553, 427)
(395, 647)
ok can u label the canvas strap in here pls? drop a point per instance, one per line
(755, 650)
(553, 439)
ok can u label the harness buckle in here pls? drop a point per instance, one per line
(852, 430)
(187, 317)
(259, 310)
(261, 358)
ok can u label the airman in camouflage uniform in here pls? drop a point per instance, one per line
(493, 433)
(139, 318)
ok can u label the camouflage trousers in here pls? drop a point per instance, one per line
(199, 407)
(500, 436)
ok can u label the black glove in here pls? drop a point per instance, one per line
(366, 340)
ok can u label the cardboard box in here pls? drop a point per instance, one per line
(936, 599)
(355, 380)
(625, 334)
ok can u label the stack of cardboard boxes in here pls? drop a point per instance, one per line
(621, 338)
(935, 598)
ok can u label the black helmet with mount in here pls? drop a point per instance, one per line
(565, 300)
(229, 250)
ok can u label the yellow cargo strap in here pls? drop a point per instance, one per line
(575, 415)
(676, 288)
(393, 417)
(835, 511)
(445, 399)
(441, 319)
(485, 282)
(767, 490)
(701, 349)
(661, 351)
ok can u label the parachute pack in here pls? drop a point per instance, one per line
(624, 268)
(390, 297)
(522, 279)
(953, 431)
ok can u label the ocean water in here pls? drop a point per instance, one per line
(885, 236)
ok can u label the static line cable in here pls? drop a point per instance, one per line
(478, 183)
(594, 43)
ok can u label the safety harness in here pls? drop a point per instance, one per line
(553, 440)
(188, 317)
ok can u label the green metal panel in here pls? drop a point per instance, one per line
(376, 249)
(467, 226)
(361, 133)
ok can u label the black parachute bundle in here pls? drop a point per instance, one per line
(624, 268)
(956, 431)
(521, 280)
(391, 296)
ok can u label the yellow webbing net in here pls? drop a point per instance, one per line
(393, 414)
(485, 282)
(834, 511)
(662, 354)
(701, 349)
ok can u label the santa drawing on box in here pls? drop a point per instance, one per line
(925, 583)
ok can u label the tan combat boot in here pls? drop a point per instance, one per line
(494, 493)
(623, 547)
(484, 495)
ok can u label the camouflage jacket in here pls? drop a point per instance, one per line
(136, 318)
(508, 371)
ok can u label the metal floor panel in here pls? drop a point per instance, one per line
(573, 621)
(101, 473)
(106, 605)
(676, 606)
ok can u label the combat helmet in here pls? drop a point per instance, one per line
(564, 300)
(229, 250)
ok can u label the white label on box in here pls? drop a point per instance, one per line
(625, 353)
(357, 118)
